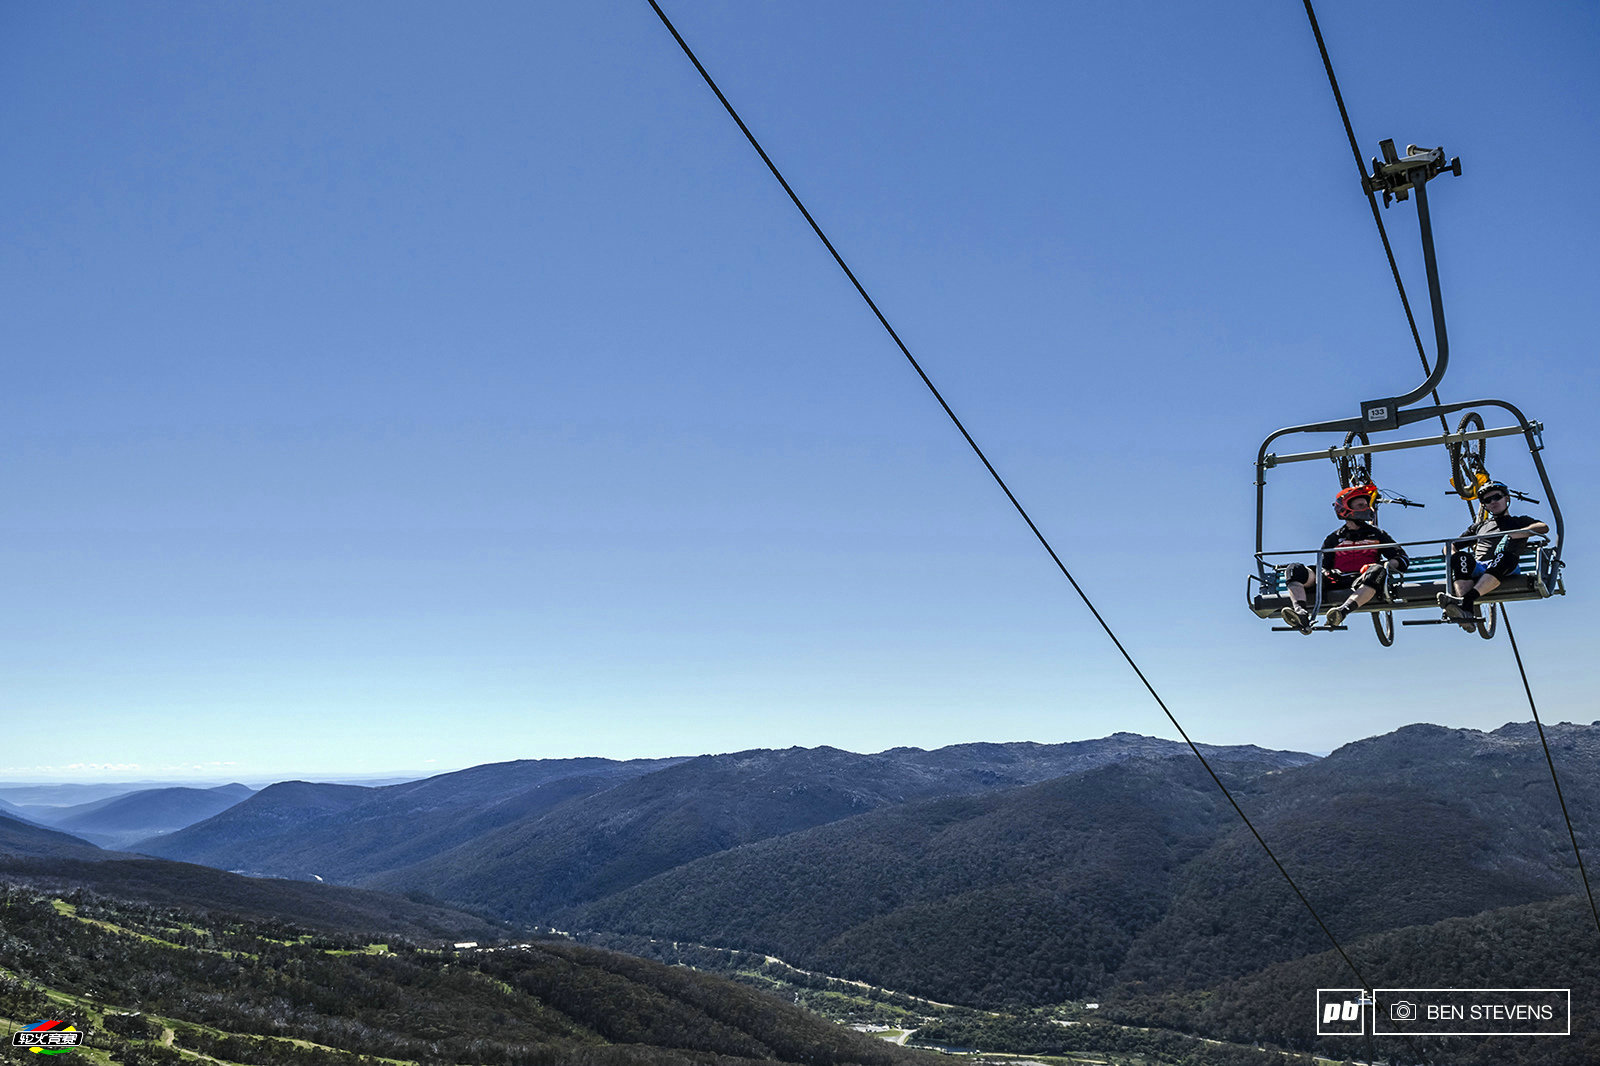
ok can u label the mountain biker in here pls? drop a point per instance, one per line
(1478, 566)
(1357, 556)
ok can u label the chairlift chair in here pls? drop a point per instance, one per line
(1417, 589)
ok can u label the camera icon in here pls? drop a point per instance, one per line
(1402, 1011)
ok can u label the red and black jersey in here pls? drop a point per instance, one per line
(1348, 550)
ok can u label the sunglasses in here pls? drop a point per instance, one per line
(1496, 498)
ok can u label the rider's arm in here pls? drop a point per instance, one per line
(1394, 556)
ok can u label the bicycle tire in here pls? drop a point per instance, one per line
(1383, 625)
(1352, 467)
(1467, 458)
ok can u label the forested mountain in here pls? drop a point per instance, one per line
(627, 834)
(981, 874)
(346, 832)
(1539, 945)
(1409, 828)
(1133, 873)
(120, 820)
(319, 908)
(1033, 894)
(159, 985)
(549, 833)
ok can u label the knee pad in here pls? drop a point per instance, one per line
(1297, 574)
(1372, 578)
(1502, 565)
(1462, 564)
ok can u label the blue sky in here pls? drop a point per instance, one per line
(395, 386)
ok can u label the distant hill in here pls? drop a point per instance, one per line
(344, 833)
(550, 833)
(275, 811)
(28, 795)
(118, 821)
(20, 814)
(539, 868)
(18, 838)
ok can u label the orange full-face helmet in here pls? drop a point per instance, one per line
(1358, 503)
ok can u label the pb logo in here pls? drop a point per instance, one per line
(1341, 1012)
(1348, 1011)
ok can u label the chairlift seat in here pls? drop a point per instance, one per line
(1420, 585)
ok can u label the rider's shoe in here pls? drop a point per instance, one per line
(1336, 616)
(1451, 605)
(1297, 618)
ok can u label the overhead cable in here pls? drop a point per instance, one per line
(1015, 503)
(1506, 618)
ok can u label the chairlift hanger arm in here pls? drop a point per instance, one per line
(1396, 177)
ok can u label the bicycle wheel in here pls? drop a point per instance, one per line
(1354, 469)
(1491, 619)
(1383, 625)
(1466, 457)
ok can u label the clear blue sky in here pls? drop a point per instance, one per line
(405, 386)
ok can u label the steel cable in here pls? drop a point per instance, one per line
(1583, 873)
(993, 473)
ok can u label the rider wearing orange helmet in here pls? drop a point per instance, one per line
(1354, 557)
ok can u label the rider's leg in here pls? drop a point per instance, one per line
(1497, 569)
(1296, 583)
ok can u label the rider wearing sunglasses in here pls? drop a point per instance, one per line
(1350, 557)
(1478, 566)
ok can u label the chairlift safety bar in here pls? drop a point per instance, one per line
(1536, 540)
